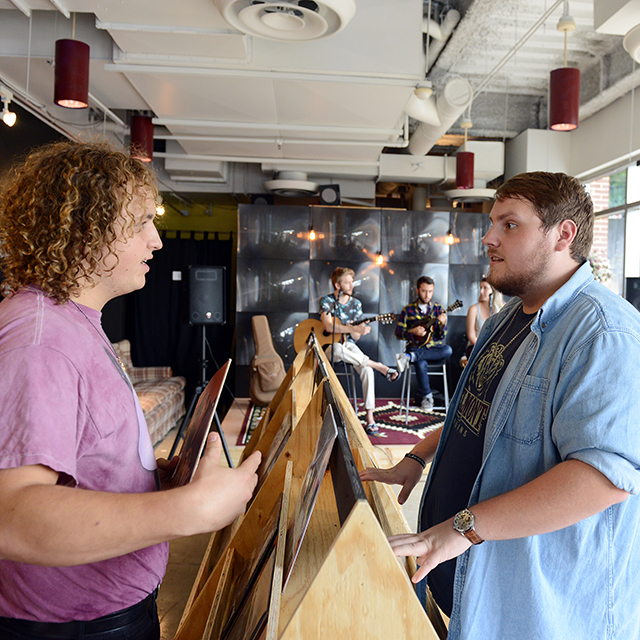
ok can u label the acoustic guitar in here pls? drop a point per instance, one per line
(323, 336)
(430, 324)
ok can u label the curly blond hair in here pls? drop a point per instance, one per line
(58, 213)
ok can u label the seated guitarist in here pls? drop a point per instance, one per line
(422, 347)
(347, 310)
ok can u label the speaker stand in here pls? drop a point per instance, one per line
(194, 399)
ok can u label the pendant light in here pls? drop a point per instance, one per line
(464, 161)
(564, 86)
(141, 146)
(71, 84)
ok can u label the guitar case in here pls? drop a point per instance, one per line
(267, 368)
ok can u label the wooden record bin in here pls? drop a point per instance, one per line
(345, 581)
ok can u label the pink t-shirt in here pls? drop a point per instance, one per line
(66, 404)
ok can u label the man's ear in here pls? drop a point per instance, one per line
(566, 232)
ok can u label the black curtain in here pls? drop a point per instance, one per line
(157, 315)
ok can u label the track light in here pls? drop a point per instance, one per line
(8, 117)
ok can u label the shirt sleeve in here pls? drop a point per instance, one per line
(402, 332)
(596, 415)
(40, 410)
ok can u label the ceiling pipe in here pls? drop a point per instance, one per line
(439, 33)
(451, 103)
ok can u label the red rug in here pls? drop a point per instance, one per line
(393, 429)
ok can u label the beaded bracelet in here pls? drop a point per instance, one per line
(418, 459)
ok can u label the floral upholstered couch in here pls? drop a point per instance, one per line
(160, 393)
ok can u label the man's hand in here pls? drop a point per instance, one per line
(406, 473)
(419, 331)
(358, 330)
(219, 494)
(431, 547)
(442, 319)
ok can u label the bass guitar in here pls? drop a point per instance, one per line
(324, 337)
(429, 324)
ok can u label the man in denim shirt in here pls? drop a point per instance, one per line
(530, 516)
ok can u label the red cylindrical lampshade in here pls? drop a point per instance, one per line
(142, 138)
(71, 88)
(464, 170)
(564, 99)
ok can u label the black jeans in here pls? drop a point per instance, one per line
(139, 622)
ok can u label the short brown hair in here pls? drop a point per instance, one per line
(555, 197)
(58, 211)
(339, 273)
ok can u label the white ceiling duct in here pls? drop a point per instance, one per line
(293, 184)
(451, 103)
(288, 20)
(422, 106)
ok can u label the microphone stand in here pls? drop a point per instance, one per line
(333, 332)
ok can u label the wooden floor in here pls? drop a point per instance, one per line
(186, 554)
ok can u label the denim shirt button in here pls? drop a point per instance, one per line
(544, 325)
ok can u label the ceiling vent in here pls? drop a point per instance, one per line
(288, 20)
(292, 184)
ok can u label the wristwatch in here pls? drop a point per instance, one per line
(463, 523)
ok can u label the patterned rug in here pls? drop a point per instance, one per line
(393, 429)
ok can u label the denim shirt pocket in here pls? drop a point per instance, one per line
(526, 422)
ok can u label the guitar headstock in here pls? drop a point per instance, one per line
(387, 318)
(456, 305)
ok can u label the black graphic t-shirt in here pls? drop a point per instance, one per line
(459, 465)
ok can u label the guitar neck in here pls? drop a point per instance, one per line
(372, 319)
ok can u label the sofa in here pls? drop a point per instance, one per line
(160, 393)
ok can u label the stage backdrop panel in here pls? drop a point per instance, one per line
(282, 274)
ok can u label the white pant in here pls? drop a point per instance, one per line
(352, 354)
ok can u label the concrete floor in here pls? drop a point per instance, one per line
(186, 554)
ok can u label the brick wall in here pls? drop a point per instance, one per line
(599, 191)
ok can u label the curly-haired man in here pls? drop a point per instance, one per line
(84, 527)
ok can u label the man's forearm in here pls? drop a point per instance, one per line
(566, 494)
(426, 448)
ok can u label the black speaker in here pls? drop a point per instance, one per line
(262, 198)
(330, 194)
(633, 292)
(207, 295)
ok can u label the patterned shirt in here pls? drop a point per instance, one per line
(346, 313)
(411, 315)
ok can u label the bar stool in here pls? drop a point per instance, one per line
(349, 375)
(436, 368)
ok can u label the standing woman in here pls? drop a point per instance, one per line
(489, 302)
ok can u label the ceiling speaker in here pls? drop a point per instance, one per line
(330, 194)
(288, 20)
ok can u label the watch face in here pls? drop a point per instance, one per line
(463, 521)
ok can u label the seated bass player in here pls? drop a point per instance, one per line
(423, 324)
(347, 310)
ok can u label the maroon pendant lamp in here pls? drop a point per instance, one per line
(564, 86)
(142, 138)
(71, 74)
(465, 161)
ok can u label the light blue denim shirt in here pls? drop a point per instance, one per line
(572, 391)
